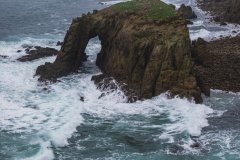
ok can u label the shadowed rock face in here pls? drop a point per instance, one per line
(222, 10)
(150, 56)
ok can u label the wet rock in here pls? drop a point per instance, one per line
(175, 148)
(3, 56)
(38, 52)
(186, 12)
(217, 19)
(109, 85)
(82, 99)
(223, 23)
(18, 51)
(27, 46)
(59, 43)
(189, 22)
(195, 145)
(95, 11)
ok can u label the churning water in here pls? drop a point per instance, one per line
(39, 122)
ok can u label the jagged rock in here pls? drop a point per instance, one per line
(186, 12)
(217, 64)
(222, 10)
(223, 23)
(59, 43)
(195, 145)
(151, 58)
(38, 52)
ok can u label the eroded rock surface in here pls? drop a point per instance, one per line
(150, 53)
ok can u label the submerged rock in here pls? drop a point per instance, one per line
(150, 50)
(37, 52)
(3, 56)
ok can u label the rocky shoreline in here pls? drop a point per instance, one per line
(222, 10)
(217, 64)
(149, 55)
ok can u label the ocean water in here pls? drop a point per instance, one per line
(39, 122)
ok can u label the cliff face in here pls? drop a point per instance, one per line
(222, 10)
(148, 52)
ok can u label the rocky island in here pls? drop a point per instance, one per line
(145, 44)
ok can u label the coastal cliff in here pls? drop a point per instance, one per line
(145, 44)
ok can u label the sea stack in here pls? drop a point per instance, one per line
(145, 44)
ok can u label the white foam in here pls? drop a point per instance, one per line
(26, 108)
(228, 92)
(184, 115)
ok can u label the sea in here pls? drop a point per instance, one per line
(50, 122)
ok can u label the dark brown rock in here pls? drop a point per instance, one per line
(186, 12)
(38, 52)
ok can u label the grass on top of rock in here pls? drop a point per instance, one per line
(152, 9)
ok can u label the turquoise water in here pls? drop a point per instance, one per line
(39, 122)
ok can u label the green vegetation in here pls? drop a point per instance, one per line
(126, 6)
(151, 9)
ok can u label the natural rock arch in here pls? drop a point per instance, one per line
(151, 57)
